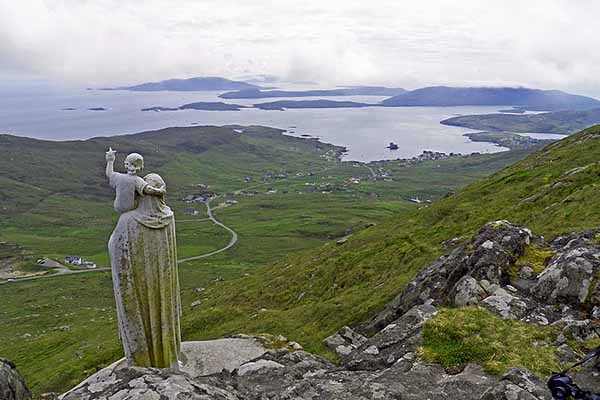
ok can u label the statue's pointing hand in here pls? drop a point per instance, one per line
(110, 154)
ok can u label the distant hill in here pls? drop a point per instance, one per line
(190, 85)
(283, 104)
(350, 91)
(561, 122)
(530, 99)
(201, 105)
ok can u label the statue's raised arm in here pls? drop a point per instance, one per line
(110, 162)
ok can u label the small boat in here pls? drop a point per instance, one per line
(392, 146)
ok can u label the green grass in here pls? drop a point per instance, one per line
(344, 284)
(317, 287)
(535, 256)
(456, 337)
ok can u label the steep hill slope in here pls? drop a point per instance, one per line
(309, 296)
(530, 99)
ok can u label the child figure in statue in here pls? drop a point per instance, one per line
(143, 258)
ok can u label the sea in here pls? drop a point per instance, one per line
(46, 111)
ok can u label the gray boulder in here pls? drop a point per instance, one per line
(489, 256)
(145, 383)
(570, 277)
(468, 292)
(392, 343)
(12, 385)
(344, 341)
(518, 384)
(504, 304)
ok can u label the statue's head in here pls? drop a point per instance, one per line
(155, 181)
(134, 163)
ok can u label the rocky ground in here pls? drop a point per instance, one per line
(499, 269)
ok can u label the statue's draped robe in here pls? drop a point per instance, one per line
(144, 268)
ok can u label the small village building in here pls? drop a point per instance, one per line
(74, 260)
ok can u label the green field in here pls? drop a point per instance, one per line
(310, 295)
(299, 200)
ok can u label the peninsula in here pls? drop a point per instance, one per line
(561, 122)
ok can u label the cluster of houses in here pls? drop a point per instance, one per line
(271, 175)
(195, 198)
(79, 261)
(202, 196)
(428, 155)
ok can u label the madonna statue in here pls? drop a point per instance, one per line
(143, 258)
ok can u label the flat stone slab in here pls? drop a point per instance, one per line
(199, 358)
(213, 356)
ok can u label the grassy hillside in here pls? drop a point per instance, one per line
(50, 188)
(308, 296)
(56, 202)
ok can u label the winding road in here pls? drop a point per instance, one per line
(66, 271)
(232, 242)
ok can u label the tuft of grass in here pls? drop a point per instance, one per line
(535, 256)
(456, 337)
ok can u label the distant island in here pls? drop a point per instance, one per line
(189, 85)
(560, 122)
(521, 98)
(283, 104)
(201, 105)
(514, 110)
(349, 91)
(97, 109)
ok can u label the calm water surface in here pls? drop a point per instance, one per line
(37, 110)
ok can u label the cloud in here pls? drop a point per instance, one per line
(538, 43)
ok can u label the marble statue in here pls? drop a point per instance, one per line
(143, 258)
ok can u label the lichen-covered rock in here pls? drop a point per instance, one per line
(504, 304)
(420, 381)
(12, 385)
(518, 384)
(571, 277)
(508, 391)
(344, 341)
(490, 256)
(145, 383)
(468, 292)
(259, 366)
(397, 339)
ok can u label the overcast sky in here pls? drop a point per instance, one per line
(545, 43)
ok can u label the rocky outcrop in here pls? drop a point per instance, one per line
(380, 359)
(344, 341)
(145, 383)
(455, 278)
(573, 275)
(486, 272)
(518, 384)
(397, 341)
(12, 385)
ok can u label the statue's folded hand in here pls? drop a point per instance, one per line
(154, 190)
